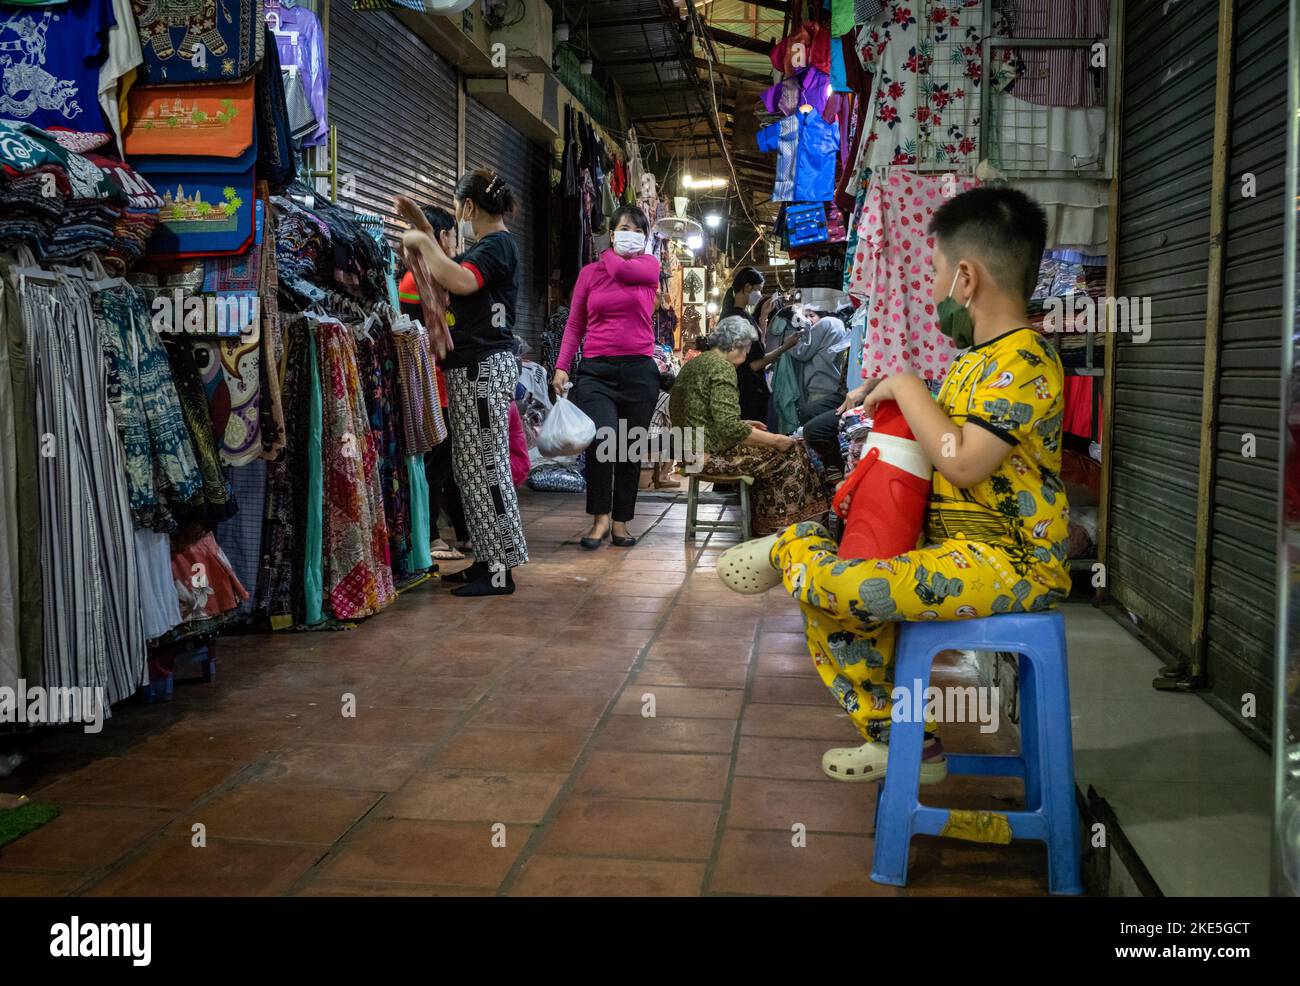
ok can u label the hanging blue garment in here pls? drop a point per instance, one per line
(807, 148)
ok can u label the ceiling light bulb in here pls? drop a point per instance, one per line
(585, 66)
(695, 242)
(561, 33)
(711, 308)
(687, 180)
(712, 220)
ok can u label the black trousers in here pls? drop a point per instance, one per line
(444, 494)
(821, 429)
(609, 389)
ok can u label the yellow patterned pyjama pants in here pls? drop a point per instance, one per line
(852, 608)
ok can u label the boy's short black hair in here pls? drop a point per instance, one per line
(1002, 227)
(439, 218)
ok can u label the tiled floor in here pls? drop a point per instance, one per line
(500, 747)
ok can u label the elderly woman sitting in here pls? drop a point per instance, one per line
(705, 396)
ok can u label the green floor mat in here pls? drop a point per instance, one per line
(17, 822)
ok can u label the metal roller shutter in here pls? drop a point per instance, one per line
(393, 100)
(1166, 149)
(490, 142)
(1243, 529)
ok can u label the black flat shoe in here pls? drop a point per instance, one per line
(591, 544)
(489, 585)
(622, 542)
(475, 572)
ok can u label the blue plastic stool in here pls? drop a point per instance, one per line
(1045, 762)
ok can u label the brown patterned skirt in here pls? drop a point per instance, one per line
(786, 488)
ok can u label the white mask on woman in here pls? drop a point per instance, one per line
(629, 241)
(466, 229)
(756, 296)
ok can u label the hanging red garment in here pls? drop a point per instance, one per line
(816, 50)
(1078, 407)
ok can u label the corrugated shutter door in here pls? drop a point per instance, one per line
(1243, 527)
(1166, 149)
(393, 100)
(490, 142)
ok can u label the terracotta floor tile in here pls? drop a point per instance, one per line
(583, 656)
(362, 888)
(779, 757)
(730, 652)
(625, 619)
(701, 674)
(807, 689)
(84, 838)
(766, 862)
(219, 738)
(948, 868)
(384, 727)
(38, 884)
(355, 768)
(799, 722)
(636, 829)
(452, 854)
(485, 748)
(140, 781)
(625, 604)
(464, 795)
(417, 692)
(623, 774)
(688, 703)
(441, 663)
(579, 876)
(541, 680)
(798, 665)
(277, 813)
(776, 642)
(761, 803)
(664, 734)
(175, 868)
(522, 711)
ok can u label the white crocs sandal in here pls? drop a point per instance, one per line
(869, 761)
(747, 568)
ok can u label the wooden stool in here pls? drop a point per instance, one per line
(694, 498)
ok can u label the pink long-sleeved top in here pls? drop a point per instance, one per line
(610, 314)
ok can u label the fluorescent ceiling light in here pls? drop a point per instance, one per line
(689, 182)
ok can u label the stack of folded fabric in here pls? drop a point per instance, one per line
(57, 202)
(136, 222)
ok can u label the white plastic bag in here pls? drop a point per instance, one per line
(567, 431)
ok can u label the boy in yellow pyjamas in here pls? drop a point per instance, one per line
(996, 527)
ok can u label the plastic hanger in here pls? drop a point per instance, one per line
(273, 21)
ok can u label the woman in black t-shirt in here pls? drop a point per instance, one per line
(746, 289)
(481, 371)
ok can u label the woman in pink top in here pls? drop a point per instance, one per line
(617, 380)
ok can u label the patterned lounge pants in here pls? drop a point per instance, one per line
(479, 399)
(851, 608)
(787, 488)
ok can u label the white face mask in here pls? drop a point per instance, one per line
(756, 296)
(629, 241)
(466, 229)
